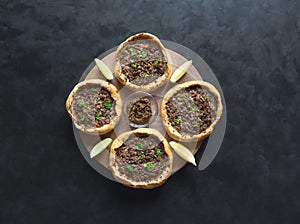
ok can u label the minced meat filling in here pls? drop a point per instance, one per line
(142, 157)
(142, 61)
(140, 111)
(192, 110)
(93, 106)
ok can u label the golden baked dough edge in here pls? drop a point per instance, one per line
(134, 184)
(114, 94)
(153, 85)
(172, 132)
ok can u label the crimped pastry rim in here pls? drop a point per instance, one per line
(114, 94)
(153, 85)
(121, 178)
(172, 132)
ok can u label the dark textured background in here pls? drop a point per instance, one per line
(252, 46)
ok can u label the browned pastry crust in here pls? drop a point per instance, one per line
(172, 132)
(152, 85)
(114, 94)
(122, 178)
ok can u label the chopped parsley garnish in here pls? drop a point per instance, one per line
(176, 120)
(84, 104)
(82, 117)
(107, 105)
(192, 107)
(158, 152)
(133, 52)
(179, 98)
(147, 76)
(138, 146)
(149, 166)
(196, 125)
(143, 54)
(155, 63)
(92, 90)
(207, 96)
(141, 157)
(97, 116)
(134, 65)
(129, 168)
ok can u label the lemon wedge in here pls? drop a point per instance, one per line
(180, 71)
(104, 69)
(99, 147)
(183, 152)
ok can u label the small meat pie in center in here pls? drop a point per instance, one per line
(94, 106)
(141, 158)
(142, 63)
(140, 111)
(191, 110)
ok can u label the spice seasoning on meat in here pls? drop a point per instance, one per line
(142, 61)
(190, 110)
(145, 163)
(140, 111)
(93, 106)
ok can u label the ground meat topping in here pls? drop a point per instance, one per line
(93, 106)
(140, 111)
(142, 61)
(192, 110)
(142, 157)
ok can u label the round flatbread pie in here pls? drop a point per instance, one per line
(191, 110)
(142, 63)
(141, 158)
(94, 106)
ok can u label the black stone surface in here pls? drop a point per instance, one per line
(253, 48)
